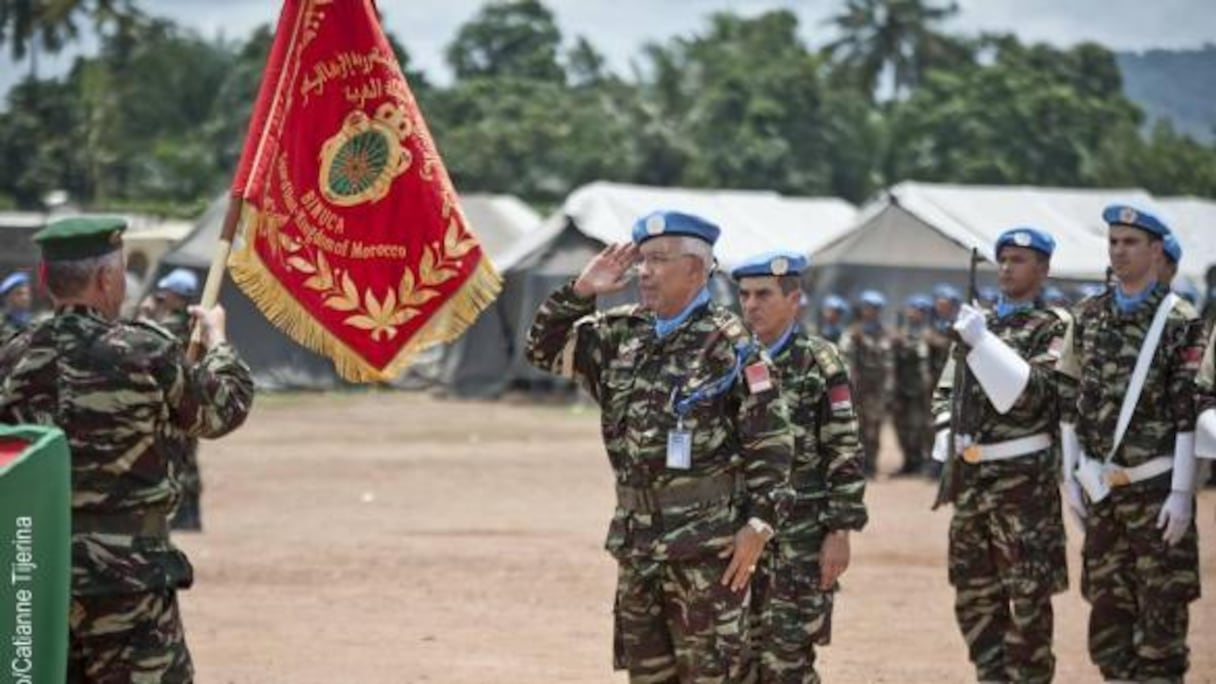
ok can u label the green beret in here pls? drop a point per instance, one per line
(80, 237)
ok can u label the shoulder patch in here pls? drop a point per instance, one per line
(827, 357)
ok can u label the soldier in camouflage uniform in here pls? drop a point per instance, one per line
(832, 314)
(173, 295)
(913, 389)
(1205, 402)
(1140, 556)
(867, 348)
(1006, 550)
(698, 438)
(794, 585)
(118, 390)
(1167, 272)
(946, 300)
(17, 298)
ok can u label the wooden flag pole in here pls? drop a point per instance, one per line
(215, 275)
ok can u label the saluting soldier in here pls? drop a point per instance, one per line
(796, 579)
(698, 438)
(867, 347)
(1128, 442)
(1006, 549)
(913, 390)
(118, 389)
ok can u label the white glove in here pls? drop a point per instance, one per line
(941, 445)
(970, 324)
(1175, 516)
(1075, 500)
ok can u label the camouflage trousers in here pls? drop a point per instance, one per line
(128, 639)
(870, 414)
(913, 427)
(1138, 588)
(790, 614)
(676, 623)
(1006, 560)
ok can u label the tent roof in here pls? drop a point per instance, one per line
(975, 215)
(752, 221)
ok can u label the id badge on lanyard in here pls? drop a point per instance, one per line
(679, 447)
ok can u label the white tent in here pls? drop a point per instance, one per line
(600, 213)
(917, 234)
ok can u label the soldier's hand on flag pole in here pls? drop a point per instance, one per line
(608, 271)
(212, 323)
(833, 558)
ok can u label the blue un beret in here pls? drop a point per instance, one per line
(1127, 215)
(873, 298)
(919, 301)
(659, 223)
(1173, 249)
(180, 281)
(776, 263)
(1052, 294)
(1025, 236)
(947, 291)
(14, 280)
(1090, 289)
(835, 301)
(988, 293)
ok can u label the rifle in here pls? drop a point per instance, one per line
(948, 485)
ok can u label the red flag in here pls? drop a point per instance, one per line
(353, 240)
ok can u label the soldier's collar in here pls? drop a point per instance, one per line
(782, 342)
(1130, 303)
(79, 310)
(665, 326)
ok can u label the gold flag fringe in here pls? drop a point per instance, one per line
(282, 309)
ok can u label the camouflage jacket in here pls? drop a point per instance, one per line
(826, 476)
(1205, 381)
(912, 372)
(9, 327)
(1100, 358)
(869, 359)
(636, 379)
(120, 391)
(177, 322)
(1038, 335)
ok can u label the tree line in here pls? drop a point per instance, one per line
(155, 120)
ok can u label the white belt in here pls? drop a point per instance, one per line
(1023, 446)
(1121, 477)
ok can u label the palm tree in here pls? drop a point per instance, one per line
(895, 35)
(27, 25)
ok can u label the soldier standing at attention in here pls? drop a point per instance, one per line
(173, 296)
(17, 299)
(793, 588)
(1128, 442)
(867, 347)
(1205, 402)
(118, 390)
(832, 315)
(946, 300)
(1006, 550)
(698, 438)
(913, 389)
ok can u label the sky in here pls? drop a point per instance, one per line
(619, 27)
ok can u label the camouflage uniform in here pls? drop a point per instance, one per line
(911, 395)
(675, 621)
(188, 515)
(1137, 585)
(1007, 551)
(121, 391)
(791, 614)
(938, 338)
(9, 326)
(869, 359)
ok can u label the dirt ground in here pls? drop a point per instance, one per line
(391, 537)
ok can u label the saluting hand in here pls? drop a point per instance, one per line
(608, 271)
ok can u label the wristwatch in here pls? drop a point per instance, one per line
(762, 528)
